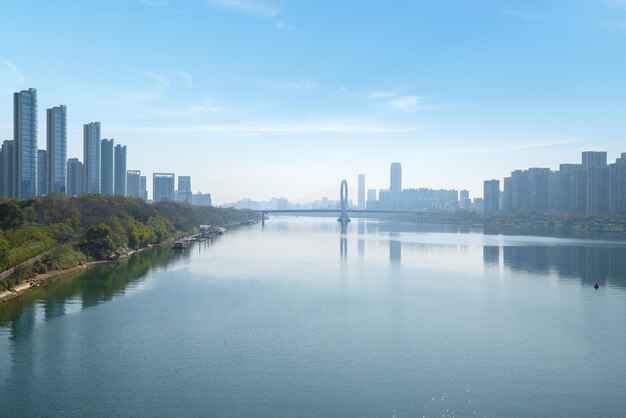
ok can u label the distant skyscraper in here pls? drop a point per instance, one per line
(57, 149)
(162, 187)
(91, 157)
(8, 169)
(42, 172)
(594, 159)
(133, 183)
(25, 132)
(491, 197)
(143, 188)
(120, 170)
(371, 195)
(395, 184)
(75, 177)
(201, 199)
(361, 191)
(107, 166)
(184, 189)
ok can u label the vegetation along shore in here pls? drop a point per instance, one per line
(43, 237)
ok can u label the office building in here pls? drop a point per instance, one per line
(395, 177)
(162, 187)
(143, 191)
(119, 178)
(371, 195)
(361, 191)
(75, 177)
(56, 147)
(107, 165)
(91, 157)
(201, 199)
(133, 183)
(184, 189)
(8, 169)
(25, 136)
(491, 196)
(42, 172)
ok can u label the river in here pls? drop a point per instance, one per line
(294, 318)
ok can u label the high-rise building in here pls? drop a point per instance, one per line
(91, 157)
(143, 191)
(107, 166)
(8, 169)
(42, 172)
(371, 195)
(491, 197)
(395, 174)
(133, 183)
(593, 159)
(361, 191)
(25, 135)
(162, 187)
(201, 199)
(184, 189)
(617, 185)
(75, 177)
(119, 186)
(56, 141)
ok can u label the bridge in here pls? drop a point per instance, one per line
(343, 210)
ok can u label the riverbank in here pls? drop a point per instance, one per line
(40, 278)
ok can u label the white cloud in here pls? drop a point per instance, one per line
(254, 8)
(380, 94)
(284, 26)
(9, 72)
(277, 129)
(404, 103)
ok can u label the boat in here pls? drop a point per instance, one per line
(180, 245)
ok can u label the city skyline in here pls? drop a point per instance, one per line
(399, 89)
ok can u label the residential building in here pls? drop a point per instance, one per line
(91, 157)
(56, 147)
(133, 183)
(491, 196)
(119, 178)
(163, 187)
(25, 136)
(42, 172)
(107, 167)
(395, 177)
(75, 177)
(361, 191)
(184, 189)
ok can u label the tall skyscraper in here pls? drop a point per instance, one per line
(133, 183)
(75, 177)
(617, 184)
(42, 172)
(184, 189)
(8, 169)
(395, 184)
(491, 197)
(162, 187)
(143, 190)
(120, 170)
(107, 166)
(361, 191)
(25, 135)
(91, 157)
(56, 141)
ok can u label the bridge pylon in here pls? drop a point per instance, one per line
(343, 194)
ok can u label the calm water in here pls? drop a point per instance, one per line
(296, 319)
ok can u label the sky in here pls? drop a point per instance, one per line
(285, 98)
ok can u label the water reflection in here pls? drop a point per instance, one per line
(491, 255)
(92, 287)
(590, 264)
(343, 241)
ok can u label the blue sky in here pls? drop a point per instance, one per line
(262, 98)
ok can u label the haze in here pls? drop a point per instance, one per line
(266, 99)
